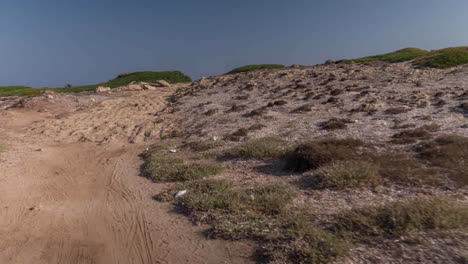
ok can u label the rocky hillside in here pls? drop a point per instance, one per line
(342, 162)
(371, 101)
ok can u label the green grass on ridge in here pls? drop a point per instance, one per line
(121, 80)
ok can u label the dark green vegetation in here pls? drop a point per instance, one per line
(18, 90)
(444, 58)
(121, 80)
(126, 78)
(399, 218)
(440, 59)
(397, 56)
(262, 148)
(255, 67)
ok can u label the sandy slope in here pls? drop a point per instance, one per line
(63, 201)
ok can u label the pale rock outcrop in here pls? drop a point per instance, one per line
(102, 89)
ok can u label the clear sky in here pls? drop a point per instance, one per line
(54, 42)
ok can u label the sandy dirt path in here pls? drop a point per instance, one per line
(82, 202)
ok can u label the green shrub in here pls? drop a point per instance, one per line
(164, 167)
(261, 148)
(444, 58)
(316, 153)
(406, 54)
(345, 174)
(305, 242)
(18, 90)
(209, 195)
(148, 76)
(441, 59)
(399, 218)
(255, 67)
(270, 199)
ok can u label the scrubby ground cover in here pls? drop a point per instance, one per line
(271, 214)
(379, 144)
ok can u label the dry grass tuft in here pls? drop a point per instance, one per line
(260, 213)
(162, 166)
(411, 136)
(397, 110)
(346, 174)
(262, 148)
(399, 218)
(335, 123)
(449, 152)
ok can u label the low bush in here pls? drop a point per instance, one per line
(346, 174)
(411, 136)
(449, 152)
(444, 58)
(270, 199)
(167, 167)
(335, 123)
(261, 148)
(406, 170)
(209, 195)
(302, 241)
(406, 54)
(18, 91)
(399, 218)
(316, 153)
(256, 67)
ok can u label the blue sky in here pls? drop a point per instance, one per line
(54, 42)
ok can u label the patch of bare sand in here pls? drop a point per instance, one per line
(64, 201)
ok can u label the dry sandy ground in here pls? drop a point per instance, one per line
(70, 190)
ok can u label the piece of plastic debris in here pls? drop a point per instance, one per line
(179, 194)
(173, 150)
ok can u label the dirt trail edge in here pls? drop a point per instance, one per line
(82, 202)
